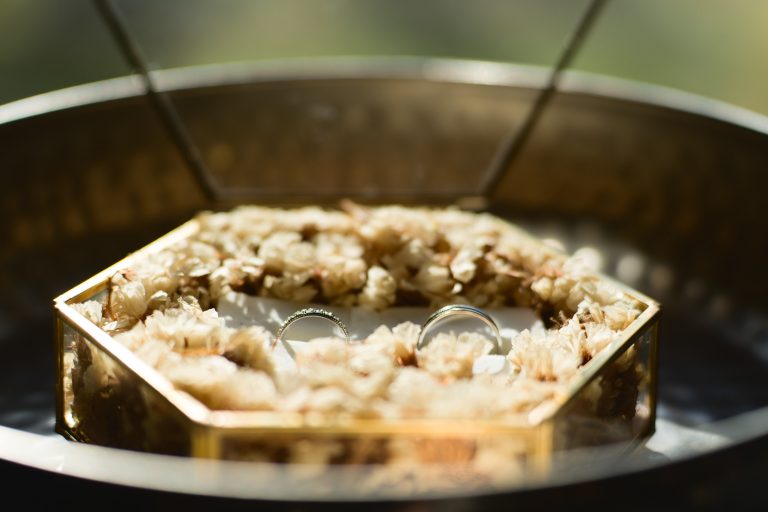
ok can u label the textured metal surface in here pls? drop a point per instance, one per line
(674, 196)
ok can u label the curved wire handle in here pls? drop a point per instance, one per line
(513, 144)
(502, 160)
(160, 101)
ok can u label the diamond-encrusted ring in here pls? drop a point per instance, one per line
(458, 310)
(306, 313)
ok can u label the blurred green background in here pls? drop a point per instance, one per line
(709, 47)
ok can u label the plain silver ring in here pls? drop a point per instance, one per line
(310, 312)
(459, 310)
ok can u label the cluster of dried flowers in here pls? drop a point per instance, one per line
(163, 308)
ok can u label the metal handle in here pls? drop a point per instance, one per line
(160, 101)
(504, 157)
(513, 145)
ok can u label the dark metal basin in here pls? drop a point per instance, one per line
(669, 188)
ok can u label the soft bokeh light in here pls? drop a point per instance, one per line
(702, 46)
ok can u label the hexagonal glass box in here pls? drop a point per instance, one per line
(109, 396)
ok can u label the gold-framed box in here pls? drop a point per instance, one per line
(138, 408)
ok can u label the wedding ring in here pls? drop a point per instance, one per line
(310, 312)
(458, 310)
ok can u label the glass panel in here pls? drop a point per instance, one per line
(105, 404)
(102, 402)
(66, 355)
(423, 461)
(618, 405)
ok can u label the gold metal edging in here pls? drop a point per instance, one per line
(205, 443)
(99, 282)
(647, 320)
(209, 426)
(58, 350)
(190, 407)
(653, 385)
(232, 422)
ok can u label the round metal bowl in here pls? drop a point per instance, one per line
(666, 186)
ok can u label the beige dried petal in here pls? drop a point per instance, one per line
(406, 335)
(339, 275)
(379, 290)
(154, 353)
(373, 371)
(434, 279)
(221, 280)
(413, 254)
(555, 356)
(607, 293)
(160, 300)
(90, 309)
(134, 337)
(618, 316)
(327, 350)
(412, 390)
(543, 287)
(451, 356)
(338, 246)
(398, 343)
(299, 257)
(290, 287)
(334, 400)
(158, 272)
(126, 299)
(588, 310)
(187, 328)
(251, 348)
(598, 338)
(219, 384)
(464, 264)
(324, 400)
(273, 249)
(302, 294)
(319, 375)
(119, 326)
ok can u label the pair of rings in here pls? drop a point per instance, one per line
(441, 314)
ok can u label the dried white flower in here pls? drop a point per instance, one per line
(374, 258)
(90, 309)
(250, 348)
(399, 343)
(340, 275)
(127, 299)
(272, 249)
(556, 356)
(290, 287)
(220, 384)
(464, 264)
(379, 290)
(188, 327)
(434, 280)
(451, 356)
(599, 337)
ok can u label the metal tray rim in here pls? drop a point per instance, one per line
(55, 455)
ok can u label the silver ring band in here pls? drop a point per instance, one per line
(310, 312)
(459, 310)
